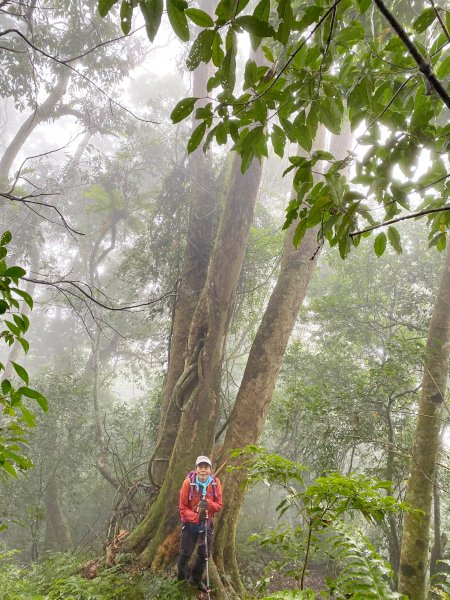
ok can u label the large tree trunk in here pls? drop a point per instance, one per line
(196, 394)
(200, 237)
(256, 389)
(416, 528)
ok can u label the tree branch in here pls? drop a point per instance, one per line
(66, 64)
(423, 65)
(421, 213)
(88, 295)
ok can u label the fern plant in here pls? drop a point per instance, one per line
(320, 509)
(363, 574)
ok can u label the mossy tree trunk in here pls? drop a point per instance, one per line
(416, 528)
(203, 210)
(196, 393)
(256, 389)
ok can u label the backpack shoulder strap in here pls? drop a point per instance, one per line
(214, 487)
(191, 476)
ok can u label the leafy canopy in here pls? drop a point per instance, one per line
(328, 64)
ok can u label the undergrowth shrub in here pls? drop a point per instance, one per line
(57, 578)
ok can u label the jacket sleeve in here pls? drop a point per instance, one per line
(215, 505)
(186, 513)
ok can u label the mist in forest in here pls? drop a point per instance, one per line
(225, 231)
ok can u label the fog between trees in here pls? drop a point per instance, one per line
(266, 289)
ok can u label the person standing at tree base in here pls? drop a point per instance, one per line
(200, 500)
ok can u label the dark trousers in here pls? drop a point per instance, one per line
(192, 535)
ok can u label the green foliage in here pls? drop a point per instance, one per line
(330, 66)
(364, 575)
(16, 419)
(58, 577)
(319, 511)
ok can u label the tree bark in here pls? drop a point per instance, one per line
(200, 238)
(196, 394)
(42, 113)
(416, 528)
(256, 389)
(57, 532)
(255, 392)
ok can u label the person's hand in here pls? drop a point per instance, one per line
(203, 505)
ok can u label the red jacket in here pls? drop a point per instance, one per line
(188, 508)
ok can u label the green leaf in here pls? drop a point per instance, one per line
(424, 20)
(126, 15)
(199, 17)
(28, 416)
(20, 372)
(177, 18)
(25, 345)
(201, 50)
(13, 328)
(227, 9)
(443, 69)
(363, 5)
(4, 306)
(183, 109)
(196, 137)
(14, 272)
(20, 323)
(34, 395)
(286, 20)
(380, 244)
(6, 238)
(394, 239)
(3, 252)
(6, 386)
(278, 138)
(104, 6)
(217, 52)
(7, 466)
(228, 69)
(28, 299)
(255, 26)
(152, 11)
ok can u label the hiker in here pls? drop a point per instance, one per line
(200, 499)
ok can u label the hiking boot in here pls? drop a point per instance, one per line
(201, 586)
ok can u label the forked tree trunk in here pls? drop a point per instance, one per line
(196, 393)
(200, 238)
(416, 528)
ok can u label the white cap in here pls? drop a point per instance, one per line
(203, 459)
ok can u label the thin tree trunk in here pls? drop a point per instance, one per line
(42, 113)
(437, 550)
(416, 528)
(57, 532)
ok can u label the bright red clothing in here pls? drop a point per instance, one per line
(188, 508)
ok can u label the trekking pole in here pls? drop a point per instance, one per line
(207, 562)
(207, 558)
